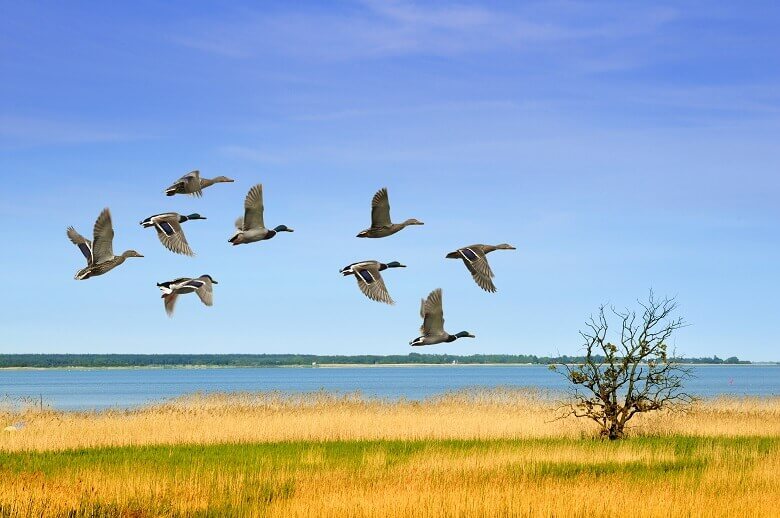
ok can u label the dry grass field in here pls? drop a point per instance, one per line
(500, 453)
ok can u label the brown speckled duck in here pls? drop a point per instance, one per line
(381, 225)
(99, 253)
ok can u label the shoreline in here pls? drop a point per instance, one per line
(344, 366)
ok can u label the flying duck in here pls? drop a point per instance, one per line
(474, 258)
(381, 225)
(100, 252)
(172, 289)
(251, 227)
(192, 183)
(369, 279)
(433, 323)
(168, 227)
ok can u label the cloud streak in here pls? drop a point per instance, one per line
(36, 131)
(376, 29)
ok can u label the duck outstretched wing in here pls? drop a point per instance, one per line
(370, 282)
(103, 238)
(204, 290)
(482, 280)
(433, 314)
(169, 301)
(171, 235)
(253, 208)
(477, 264)
(380, 209)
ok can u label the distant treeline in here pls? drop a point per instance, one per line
(280, 360)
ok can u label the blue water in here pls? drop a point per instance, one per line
(124, 388)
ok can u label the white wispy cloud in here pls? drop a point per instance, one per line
(32, 130)
(374, 29)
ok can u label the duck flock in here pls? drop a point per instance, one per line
(251, 228)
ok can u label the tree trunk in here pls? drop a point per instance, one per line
(615, 431)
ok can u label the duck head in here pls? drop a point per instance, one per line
(131, 253)
(412, 221)
(207, 276)
(394, 264)
(283, 228)
(223, 179)
(182, 219)
(505, 246)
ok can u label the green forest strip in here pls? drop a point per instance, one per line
(287, 360)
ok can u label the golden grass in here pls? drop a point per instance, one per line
(497, 453)
(269, 417)
(534, 477)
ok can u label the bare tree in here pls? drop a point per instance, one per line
(618, 381)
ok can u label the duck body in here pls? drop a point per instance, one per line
(251, 227)
(474, 257)
(169, 231)
(381, 224)
(389, 230)
(171, 290)
(253, 235)
(192, 184)
(432, 330)
(369, 279)
(439, 338)
(100, 268)
(99, 252)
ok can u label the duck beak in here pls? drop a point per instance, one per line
(214, 282)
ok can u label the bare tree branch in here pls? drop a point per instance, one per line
(616, 382)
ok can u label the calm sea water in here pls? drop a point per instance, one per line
(123, 388)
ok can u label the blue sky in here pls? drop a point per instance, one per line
(619, 147)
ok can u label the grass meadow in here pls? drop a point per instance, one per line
(498, 453)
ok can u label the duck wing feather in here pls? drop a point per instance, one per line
(433, 314)
(380, 209)
(371, 283)
(171, 235)
(169, 301)
(477, 264)
(84, 244)
(253, 208)
(103, 238)
(203, 288)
